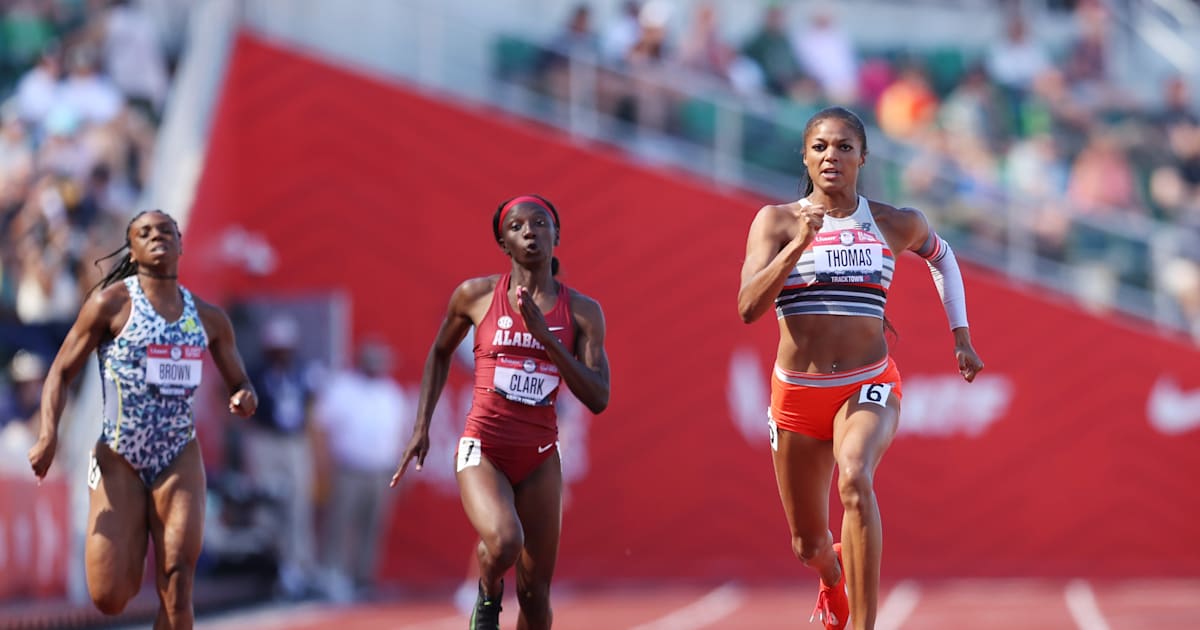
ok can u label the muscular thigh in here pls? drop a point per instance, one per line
(487, 497)
(863, 429)
(177, 511)
(115, 548)
(539, 505)
(804, 473)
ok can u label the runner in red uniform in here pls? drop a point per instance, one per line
(533, 334)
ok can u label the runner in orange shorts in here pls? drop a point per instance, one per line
(826, 262)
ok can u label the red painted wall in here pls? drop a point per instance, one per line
(1073, 454)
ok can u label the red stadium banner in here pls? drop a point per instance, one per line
(1073, 454)
(34, 543)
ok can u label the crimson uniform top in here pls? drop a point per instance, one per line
(516, 383)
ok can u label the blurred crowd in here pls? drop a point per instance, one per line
(1025, 131)
(82, 88)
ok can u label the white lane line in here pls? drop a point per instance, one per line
(1081, 602)
(706, 611)
(898, 606)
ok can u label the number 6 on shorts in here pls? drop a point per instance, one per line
(876, 393)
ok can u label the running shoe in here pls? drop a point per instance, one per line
(486, 614)
(833, 607)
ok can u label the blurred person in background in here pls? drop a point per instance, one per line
(772, 49)
(20, 406)
(363, 417)
(277, 453)
(826, 51)
(532, 333)
(907, 106)
(622, 33)
(134, 54)
(1018, 58)
(826, 262)
(146, 475)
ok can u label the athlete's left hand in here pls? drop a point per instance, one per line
(243, 403)
(535, 321)
(969, 363)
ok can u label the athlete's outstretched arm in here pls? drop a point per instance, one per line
(453, 330)
(243, 400)
(89, 329)
(771, 255)
(587, 375)
(943, 267)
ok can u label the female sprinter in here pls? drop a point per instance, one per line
(145, 474)
(531, 333)
(826, 262)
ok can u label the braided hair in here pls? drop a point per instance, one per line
(126, 266)
(538, 199)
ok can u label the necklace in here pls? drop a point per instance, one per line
(160, 276)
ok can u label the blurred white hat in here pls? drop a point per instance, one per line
(280, 332)
(26, 366)
(655, 14)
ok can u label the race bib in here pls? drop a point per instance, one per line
(470, 453)
(523, 380)
(174, 369)
(848, 256)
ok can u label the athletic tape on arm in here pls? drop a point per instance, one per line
(947, 278)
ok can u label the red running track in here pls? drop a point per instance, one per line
(977, 604)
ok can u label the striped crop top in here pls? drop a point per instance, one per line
(846, 270)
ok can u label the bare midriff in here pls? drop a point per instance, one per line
(829, 343)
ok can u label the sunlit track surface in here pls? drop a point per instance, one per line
(925, 605)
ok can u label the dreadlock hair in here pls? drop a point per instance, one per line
(126, 266)
(537, 199)
(839, 113)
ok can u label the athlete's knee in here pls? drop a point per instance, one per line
(111, 602)
(503, 545)
(177, 587)
(808, 547)
(856, 485)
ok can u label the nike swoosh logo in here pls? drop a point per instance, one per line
(1170, 409)
(543, 449)
(556, 328)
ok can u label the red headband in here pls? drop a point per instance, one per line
(524, 199)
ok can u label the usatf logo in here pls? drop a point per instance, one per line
(176, 353)
(847, 238)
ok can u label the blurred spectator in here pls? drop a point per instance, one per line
(19, 420)
(577, 40)
(278, 455)
(1014, 61)
(826, 52)
(1102, 178)
(702, 50)
(908, 105)
(134, 54)
(623, 33)
(973, 110)
(1037, 179)
(38, 89)
(88, 93)
(1180, 276)
(771, 48)
(365, 422)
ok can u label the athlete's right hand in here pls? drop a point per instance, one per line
(810, 218)
(418, 447)
(42, 454)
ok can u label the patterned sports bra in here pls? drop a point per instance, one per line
(846, 270)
